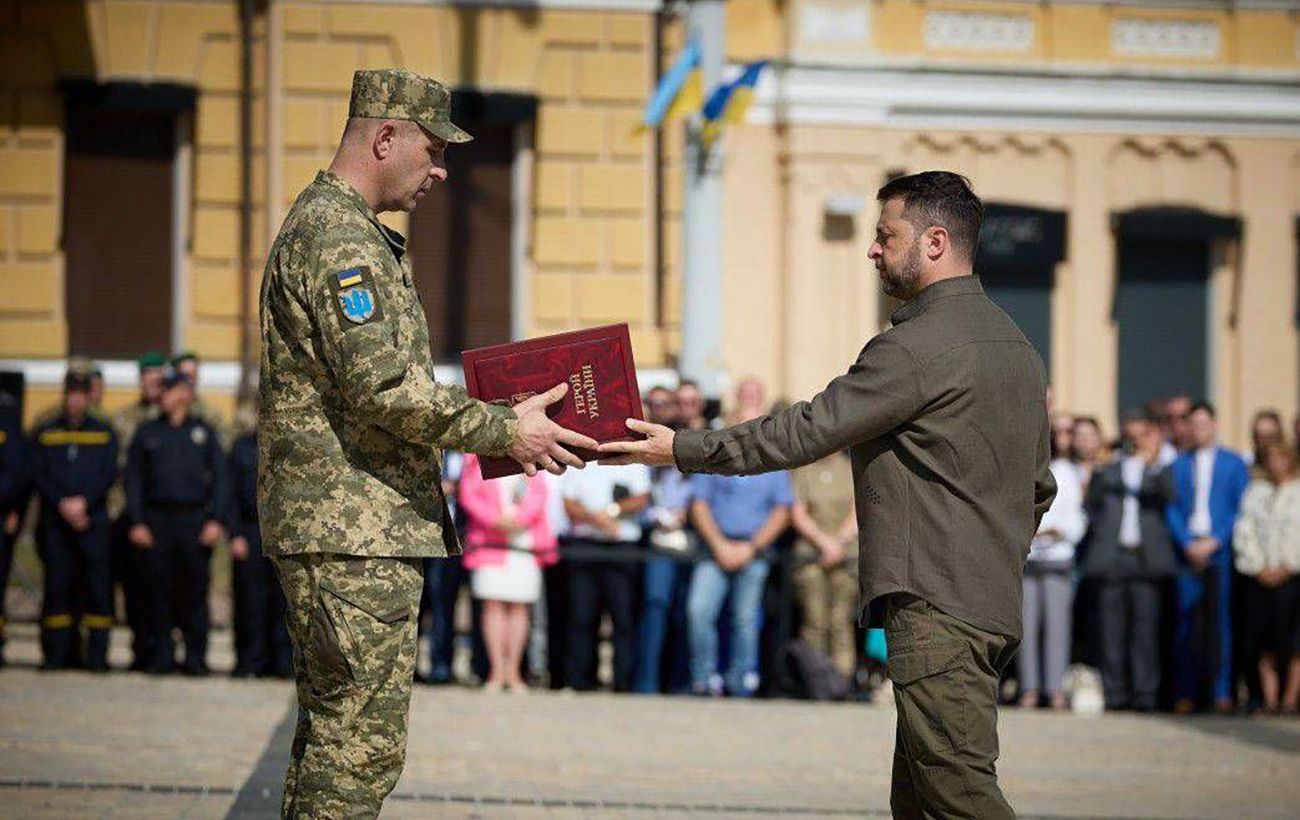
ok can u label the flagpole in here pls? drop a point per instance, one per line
(701, 357)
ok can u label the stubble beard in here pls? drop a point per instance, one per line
(902, 283)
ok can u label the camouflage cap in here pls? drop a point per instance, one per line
(82, 366)
(403, 95)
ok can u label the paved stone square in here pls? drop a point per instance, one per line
(74, 745)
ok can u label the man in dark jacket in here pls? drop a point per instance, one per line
(1130, 552)
(15, 489)
(262, 644)
(176, 495)
(945, 418)
(74, 463)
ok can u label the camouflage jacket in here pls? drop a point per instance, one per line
(352, 423)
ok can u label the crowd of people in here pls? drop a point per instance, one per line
(1167, 561)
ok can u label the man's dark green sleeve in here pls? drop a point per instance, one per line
(879, 392)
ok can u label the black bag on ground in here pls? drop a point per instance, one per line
(809, 673)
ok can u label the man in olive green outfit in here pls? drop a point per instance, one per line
(946, 421)
(352, 429)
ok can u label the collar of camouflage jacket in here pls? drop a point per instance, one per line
(340, 187)
(956, 286)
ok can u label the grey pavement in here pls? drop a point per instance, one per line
(74, 745)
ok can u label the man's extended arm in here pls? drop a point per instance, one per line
(880, 391)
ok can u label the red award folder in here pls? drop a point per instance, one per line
(596, 363)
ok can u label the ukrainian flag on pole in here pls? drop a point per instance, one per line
(729, 102)
(679, 92)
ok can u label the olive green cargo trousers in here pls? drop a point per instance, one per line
(353, 625)
(945, 674)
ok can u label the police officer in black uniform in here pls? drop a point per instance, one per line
(262, 645)
(176, 496)
(74, 463)
(15, 489)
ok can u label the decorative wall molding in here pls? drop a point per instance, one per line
(834, 24)
(1190, 39)
(960, 99)
(978, 31)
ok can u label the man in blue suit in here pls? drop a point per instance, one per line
(1209, 481)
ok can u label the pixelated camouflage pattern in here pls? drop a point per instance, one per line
(353, 626)
(404, 95)
(352, 423)
(125, 422)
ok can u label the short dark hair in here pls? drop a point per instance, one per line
(943, 199)
(1203, 405)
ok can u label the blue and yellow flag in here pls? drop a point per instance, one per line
(679, 91)
(730, 102)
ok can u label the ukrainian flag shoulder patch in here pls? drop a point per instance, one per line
(350, 277)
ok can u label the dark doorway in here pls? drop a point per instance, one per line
(1162, 300)
(461, 248)
(1162, 309)
(118, 213)
(1019, 250)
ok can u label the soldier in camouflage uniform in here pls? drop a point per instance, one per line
(353, 427)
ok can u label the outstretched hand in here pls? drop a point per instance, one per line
(539, 442)
(655, 450)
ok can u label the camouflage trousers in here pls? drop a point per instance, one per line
(353, 625)
(828, 601)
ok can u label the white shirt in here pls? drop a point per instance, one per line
(1201, 523)
(1133, 469)
(1066, 516)
(1168, 453)
(594, 487)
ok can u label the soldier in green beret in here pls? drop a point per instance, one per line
(352, 429)
(125, 422)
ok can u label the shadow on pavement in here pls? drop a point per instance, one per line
(259, 797)
(1277, 734)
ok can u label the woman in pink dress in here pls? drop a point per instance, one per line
(508, 540)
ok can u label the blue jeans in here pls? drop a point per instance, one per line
(665, 581)
(709, 588)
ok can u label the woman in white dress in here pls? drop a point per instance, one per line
(508, 539)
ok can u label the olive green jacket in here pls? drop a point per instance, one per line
(352, 424)
(945, 417)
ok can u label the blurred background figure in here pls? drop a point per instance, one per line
(443, 579)
(691, 406)
(125, 422)
(1209, 481)
(603, 505)
(661, 634)
(1049, 586)
(176, 493)
(14, 492)
(508, 539)
(74, 464)
(262, 645)
(1267, 545)
(1062, 434)
(1130, 556)
(1178, 430)
(826, 558)
(1265, 429)
(1087, 447)
(738, 518)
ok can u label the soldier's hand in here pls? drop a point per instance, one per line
(74, 511)
(655, 450)
(539, 442)
(12, 520)
(239, 548)
(211, 533)
(141, 536)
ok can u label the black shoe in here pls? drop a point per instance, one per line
(51, 666)
(241, 672)
(159, 669)
(196, 670)
(97, 667)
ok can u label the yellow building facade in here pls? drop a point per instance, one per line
(1095, 111)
